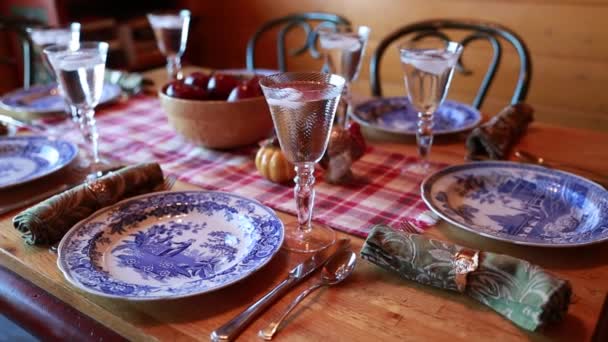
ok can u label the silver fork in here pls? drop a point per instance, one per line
(167, 185)
(409, 227)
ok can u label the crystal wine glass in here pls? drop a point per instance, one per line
(303, 106)
(80, 74)
(428, 67)
(171, 32)
(45, 37)
(343, 48)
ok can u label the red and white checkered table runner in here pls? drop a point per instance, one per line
(138, 131)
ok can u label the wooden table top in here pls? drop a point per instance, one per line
(372, 304)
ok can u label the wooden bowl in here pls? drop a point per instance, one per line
(219, 124)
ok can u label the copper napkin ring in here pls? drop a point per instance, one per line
(101, 191)
(465, 261)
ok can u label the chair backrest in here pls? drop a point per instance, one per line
(479, 30)
(288, 23)
(18, 28)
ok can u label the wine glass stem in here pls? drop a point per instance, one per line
(174, 67)
(86, 119)
(424, 136)
(345, 105)
(304, 194)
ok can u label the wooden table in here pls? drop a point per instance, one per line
(372, 304)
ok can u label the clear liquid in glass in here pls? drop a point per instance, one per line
(81, 76)
(303, 113)
(344, 51)
(169, 40)
(427, 78)
(171, 34)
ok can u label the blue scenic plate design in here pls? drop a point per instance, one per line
(45, 99)
(167, 245)
(25, 158)
(396, 115)
(520, 203)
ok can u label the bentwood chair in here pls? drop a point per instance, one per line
(17, 28)
(493, 33)
(304, 21)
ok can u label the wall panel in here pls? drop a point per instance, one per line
(568, 40)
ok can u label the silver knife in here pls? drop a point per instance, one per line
(232, 328)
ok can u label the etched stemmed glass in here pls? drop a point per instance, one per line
(428, 67)
(343, 47)
(80, 74)
(171, 32)
(303, 106)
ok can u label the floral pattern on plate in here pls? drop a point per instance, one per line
(520, 203)
(396, 115)
(25, 158)
(169, 245)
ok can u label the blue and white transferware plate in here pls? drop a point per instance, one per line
(167, 245)
(45, 99)
(396, 115)
(520, 203)
(25, 158)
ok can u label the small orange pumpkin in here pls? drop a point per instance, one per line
(272, 164)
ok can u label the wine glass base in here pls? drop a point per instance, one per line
(419, 168)
(316, 239)
(94, 170)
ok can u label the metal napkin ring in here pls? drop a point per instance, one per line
(101, 191)
(465, 261)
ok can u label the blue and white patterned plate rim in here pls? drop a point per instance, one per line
(61, 263)
(469, 124)
(110, 93)
(427, 185)
(65, 159)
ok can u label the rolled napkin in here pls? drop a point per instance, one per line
(495, 138)
(48, 221)
(346, 146)
(524, 293)
(130, 83)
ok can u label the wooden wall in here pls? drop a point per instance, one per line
(568, 40)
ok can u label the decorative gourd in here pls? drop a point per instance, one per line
(272, 164)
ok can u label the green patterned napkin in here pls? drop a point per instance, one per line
(47, 222)
(130, 83)
(524, 293)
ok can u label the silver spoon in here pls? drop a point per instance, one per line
(338, 268)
